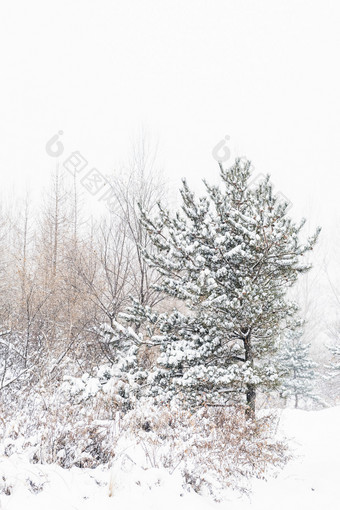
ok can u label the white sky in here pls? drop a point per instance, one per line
(266, 73)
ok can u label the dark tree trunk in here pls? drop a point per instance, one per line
(251, 388)
(251, 400)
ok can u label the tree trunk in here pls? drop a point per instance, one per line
(251, 400)
(251, 388)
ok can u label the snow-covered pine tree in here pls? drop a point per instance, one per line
(332, 372)
(119, 379)
(228, 259)
(334, 366)
(297, 368)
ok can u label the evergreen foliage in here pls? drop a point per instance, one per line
(297, 367)
(228, 259)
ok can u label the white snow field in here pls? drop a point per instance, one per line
(309, 481)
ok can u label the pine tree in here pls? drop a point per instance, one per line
(335, 364)
(297, 368)
(228, 259)
(332, 373)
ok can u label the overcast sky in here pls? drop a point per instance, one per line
(264, 73)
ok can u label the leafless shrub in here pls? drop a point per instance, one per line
(213, 447)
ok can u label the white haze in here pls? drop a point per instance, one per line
(263, 72)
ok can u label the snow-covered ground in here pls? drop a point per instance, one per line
(309, 481)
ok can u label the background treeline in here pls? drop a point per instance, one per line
(64, 272)
(66, 277)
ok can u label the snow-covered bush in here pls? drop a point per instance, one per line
(108, 382)
(213, 447)
(52, 430)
